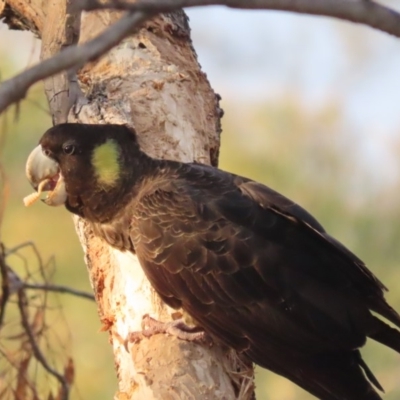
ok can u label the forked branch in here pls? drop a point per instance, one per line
(365, 12)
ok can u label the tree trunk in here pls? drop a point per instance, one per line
(152, 82)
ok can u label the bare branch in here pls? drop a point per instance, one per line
(20, 246)
(35, 347)
(365, 12)
(58, 289)
(15, 89)
(5, 292)
(7, 274)
(33, 327)
(360, 11)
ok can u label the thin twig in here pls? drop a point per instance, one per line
(14, 89)
(14, 365)
(35, 348)
(366, 12)
(59, 289)
(23, 245)
(34, 286)
(5, 290)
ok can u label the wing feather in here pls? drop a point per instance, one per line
(260, 273)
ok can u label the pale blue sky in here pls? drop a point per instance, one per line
(255, 55)
(260, 54)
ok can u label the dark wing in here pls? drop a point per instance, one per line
(260, 273)
(362, 278)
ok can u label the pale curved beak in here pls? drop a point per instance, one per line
(40, 168)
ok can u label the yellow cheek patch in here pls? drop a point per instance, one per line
(105, 161)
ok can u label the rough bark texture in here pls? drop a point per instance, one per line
(23, 15)
(61, 30)
(152, 82)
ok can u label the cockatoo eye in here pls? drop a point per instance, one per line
(69, 149)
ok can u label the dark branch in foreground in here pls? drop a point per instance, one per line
(366, 12)
(14, 89)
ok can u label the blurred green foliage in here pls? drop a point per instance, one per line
(310, 158)
(307, 156)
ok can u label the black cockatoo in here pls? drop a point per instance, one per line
(251, 267)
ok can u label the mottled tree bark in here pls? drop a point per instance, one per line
(152, 82)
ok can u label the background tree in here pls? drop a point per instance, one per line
(148, 81)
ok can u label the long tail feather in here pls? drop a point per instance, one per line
(385, 334)
(343, 376)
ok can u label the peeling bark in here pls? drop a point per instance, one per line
(62, 90)
(152, 82)
(23, 15)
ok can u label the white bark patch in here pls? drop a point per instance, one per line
(131, 287)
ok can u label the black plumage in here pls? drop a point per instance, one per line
(250, 266)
